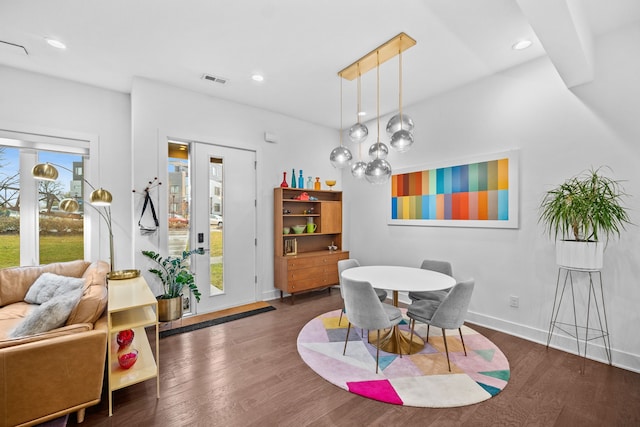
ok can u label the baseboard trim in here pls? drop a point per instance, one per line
(595, 350)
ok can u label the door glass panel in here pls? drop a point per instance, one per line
(61, 234)
(179, 198)
(9, 207)
(216, 225)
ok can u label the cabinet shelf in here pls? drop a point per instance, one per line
(293, 236)
(136, 317)
(145, 367)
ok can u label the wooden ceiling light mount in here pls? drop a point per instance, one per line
(378, 56)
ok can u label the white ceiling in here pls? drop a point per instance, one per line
(299, 45)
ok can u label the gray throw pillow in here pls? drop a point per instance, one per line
(50, 285)
(50, 315)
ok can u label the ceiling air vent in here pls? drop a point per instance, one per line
(215, 79)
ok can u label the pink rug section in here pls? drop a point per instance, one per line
(420, 380)
(376, 390)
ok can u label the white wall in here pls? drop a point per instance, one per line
(160, 110)
(34, 101)
(559, 134)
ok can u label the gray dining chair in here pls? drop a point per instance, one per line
(443, 267)
(365, 311)
(446, 314)
(345, 264)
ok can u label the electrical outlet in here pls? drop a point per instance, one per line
(514, 301)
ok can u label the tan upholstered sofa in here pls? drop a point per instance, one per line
(46, 375)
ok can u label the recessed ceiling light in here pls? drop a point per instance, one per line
(522, 44)
(257, 77)
(56, 43)
(362, 113)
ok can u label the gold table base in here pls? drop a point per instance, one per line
(389, 343)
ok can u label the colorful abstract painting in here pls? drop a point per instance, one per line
(479, 193)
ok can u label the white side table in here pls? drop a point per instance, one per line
(574, 329)
(132, 305)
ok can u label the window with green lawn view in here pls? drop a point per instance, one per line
(27, 204)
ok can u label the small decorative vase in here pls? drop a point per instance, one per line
(127, 358)
(125, 338)
(284, 184)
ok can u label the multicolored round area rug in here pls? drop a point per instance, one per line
(422, 379)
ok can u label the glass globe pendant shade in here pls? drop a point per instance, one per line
(395, 124)
(358, 169)
(340, 157)
(401, 141)
(378, 151)
(358, 132)
(69, 205)
(378, 171)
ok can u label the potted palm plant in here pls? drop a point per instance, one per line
(579, 213)
(175, 275)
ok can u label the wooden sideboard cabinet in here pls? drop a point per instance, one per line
(304, 262)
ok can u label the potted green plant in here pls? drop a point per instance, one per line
(175, 275)
(581, 211)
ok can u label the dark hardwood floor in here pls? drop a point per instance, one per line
(248, 373)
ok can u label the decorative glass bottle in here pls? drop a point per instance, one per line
(310, 183)
(316, 185)
(293, 178)
(284, 184)
(301, 180)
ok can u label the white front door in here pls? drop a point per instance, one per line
(223, 223)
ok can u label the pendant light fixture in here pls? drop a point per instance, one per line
(340, 156)
(400, 126)
(358, 168)
(358, 132)
(378, 170)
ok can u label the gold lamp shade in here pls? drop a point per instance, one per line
(100, 197)
(69, 205)
(45, 172)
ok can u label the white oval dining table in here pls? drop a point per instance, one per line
(399, 279)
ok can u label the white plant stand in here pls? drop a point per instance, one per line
(574, 329)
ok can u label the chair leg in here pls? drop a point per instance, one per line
(413, 325)
(462, 339)
(342, 311)
(377, 350)
(346, 339)
(398, 341)
(446, 349)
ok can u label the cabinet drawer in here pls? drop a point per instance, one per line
(308, 283)
(328, 259)
(328, 279)
(296, 264)
(308, 273)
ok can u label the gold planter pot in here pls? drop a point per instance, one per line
(169, 309)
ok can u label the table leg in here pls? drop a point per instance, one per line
(394, 340)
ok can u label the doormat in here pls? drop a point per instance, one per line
(217, 321)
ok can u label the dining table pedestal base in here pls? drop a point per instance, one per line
(393, 340)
